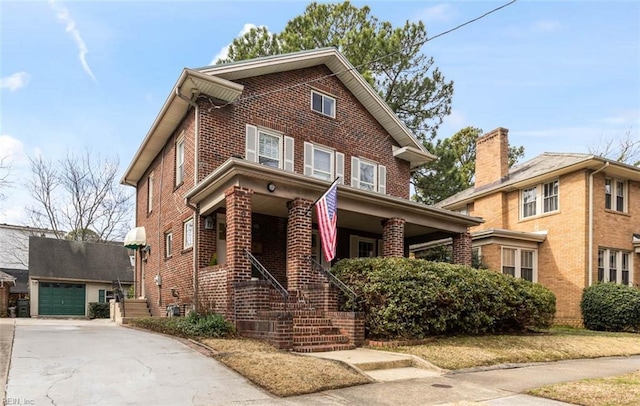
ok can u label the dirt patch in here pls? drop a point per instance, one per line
(282, 373)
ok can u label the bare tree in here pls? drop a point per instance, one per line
(5, 171)
(79, 194)
(625, 148)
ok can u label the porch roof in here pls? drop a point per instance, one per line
(357, 209)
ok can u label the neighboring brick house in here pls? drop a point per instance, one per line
(563, 220)
(233, 163)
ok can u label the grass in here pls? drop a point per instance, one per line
(621, 390)
(282, 373)
(553, 345)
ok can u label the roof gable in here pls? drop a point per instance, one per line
(217, 81)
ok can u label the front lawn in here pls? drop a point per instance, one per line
(553, 345)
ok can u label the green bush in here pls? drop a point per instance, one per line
(412, 298)
(611, 307)
(194, 325)
(98, 310)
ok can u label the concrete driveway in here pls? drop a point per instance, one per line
(78, 362)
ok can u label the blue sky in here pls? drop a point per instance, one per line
(561, 75)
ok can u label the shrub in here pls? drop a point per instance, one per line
(611, 307)
(411, 298)
(209, 325)
(98, 310)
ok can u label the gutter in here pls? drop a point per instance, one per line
(590, 267)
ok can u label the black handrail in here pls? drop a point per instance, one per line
(269, 278)
(334, 279)
(119, 294)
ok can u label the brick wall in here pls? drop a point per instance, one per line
(462, 249)
(353, 131)
(213, 294)
(299, 273)
(167, 215)
(350, 324)
(4, 300)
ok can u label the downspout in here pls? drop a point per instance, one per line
(195, 209)
(162, 241)
(590, 267)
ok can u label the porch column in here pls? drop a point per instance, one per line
(393, 237)
(299, 273)
(462, 248)
(238, 215)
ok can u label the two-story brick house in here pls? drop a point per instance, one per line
(232, 165)
(561, 219)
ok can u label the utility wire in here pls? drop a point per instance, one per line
(255, 96)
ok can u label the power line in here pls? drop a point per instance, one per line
(369, 62)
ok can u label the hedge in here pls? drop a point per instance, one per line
(194, 325)
(611, 307)
(413, 298)
(98, 310)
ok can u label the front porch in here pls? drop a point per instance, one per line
(257, 245)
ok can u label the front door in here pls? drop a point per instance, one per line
(316, 250)
(221, 247)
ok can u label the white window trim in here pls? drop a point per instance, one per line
(518, 260)
(150, 193)
(614, 195)
(186, 244)
(379, 175)
(280, 138)
(607, 263)
(309, 160)
(324, 96)
(180, 160)
(539, 200)
(354, 241)
(168, 248)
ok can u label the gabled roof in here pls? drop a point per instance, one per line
(21, 279)
(5, 277)
(545, 166)
(217, 81)
(51, 258)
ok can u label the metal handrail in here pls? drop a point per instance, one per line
(269, 278)
(334, 279)
(121, 292)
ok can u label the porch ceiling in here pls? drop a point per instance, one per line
(357, 209)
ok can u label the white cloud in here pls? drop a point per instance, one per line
(15, 81)
(453, 123)
(12, 150)
(439, 12)
(224, 51)
(623, 118)
(547, 26)
(70, 26)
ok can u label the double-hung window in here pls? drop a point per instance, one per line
(540, 199)
(150, 193)
(519, 263)
(180, 161)
(168, 245)
(323, 104)
(615, 193)
(368, 175)
(188, 234)
(323, 163)
(269, 148)
(614, 266)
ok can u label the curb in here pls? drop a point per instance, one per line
(7, 334)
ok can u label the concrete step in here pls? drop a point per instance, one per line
(385, 364)
(397, 374)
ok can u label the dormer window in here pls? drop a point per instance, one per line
(323, 104)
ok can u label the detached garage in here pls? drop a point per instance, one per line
(65, 276)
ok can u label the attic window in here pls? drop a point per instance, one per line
(323, 104)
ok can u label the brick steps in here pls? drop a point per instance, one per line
(314, 330)
(319, 340)
(323, 348)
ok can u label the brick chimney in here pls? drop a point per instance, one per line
(492, 157)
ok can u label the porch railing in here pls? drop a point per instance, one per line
(118, 294)
(268, 277)
(334, 280)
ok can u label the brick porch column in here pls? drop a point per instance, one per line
(238, 215)
(462, 248)
(299, 273)
(393, 237)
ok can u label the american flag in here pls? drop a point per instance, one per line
(327, 210)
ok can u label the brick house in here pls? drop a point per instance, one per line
(231, 167)
(563, 220)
